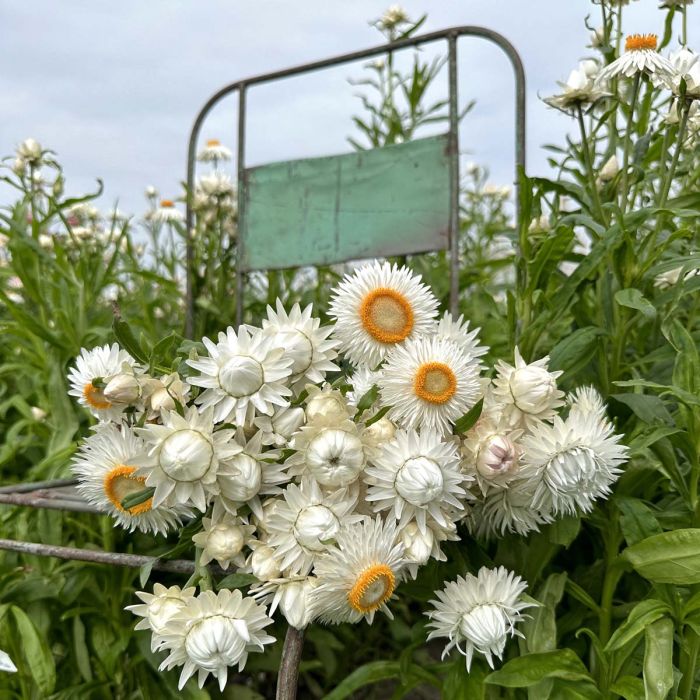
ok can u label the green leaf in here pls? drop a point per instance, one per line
(466, 422)
(460, 683)
(525, 671)
(671, 557)
(368, 399)
(565, 530)
(135, 499)
(650, 409)
(237, 580)
(640, 616)
(575, 349)
(126, 338)
(38, 660)
(637, 520)
(374, 672)
(378, 416)
(658, 659)
(145, 571)
(82, 656)
(163, 349)
(540, 629)
(634, 299)
(629, 688)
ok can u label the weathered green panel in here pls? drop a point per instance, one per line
(387, 201)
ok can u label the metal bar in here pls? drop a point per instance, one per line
(28, 486)
(454, 174)
(240, 243)
(178, 566)
(33, 500)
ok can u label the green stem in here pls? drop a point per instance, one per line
(628, 141)
(689, 663)
(676, 156)
(685, 25)
(202, 575)
(588, 158)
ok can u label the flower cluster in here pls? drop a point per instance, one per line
(332, 494)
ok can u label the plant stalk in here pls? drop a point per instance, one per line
(627, 142)
(288, 675)
(588, 158)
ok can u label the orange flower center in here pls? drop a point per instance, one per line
(372, 588)
(119, 483)
(167, 203)
(211, 143)
(639, 42)
(435, 382)
(386, 315)
(95, 397)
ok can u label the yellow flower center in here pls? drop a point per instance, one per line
(435, 382)
(386, 315)
(119, 483)
(95, 397)
(211, 143)
(167, 203)
(372, 588)
(639, 42)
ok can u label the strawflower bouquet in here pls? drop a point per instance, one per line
(326, 464)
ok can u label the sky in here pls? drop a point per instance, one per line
(113, 87)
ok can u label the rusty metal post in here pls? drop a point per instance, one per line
(240, 242)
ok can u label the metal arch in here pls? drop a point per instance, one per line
(451, 34)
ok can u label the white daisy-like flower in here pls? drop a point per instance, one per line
(105, 468)
(479, 613)
(572, 463)
(331, 453)
(687, 67)
(158, 607)
(245, 372)
(213, 632)
(325, 405)
(295, 597)
(378, 307)
(419, 546)
(640, 57)
(429, 382)
(248, 474)
(183, 457)
(223, 540)
(362, 381)
(417, 476)
(668, 279)
(579, 90)
(585, 400)
(306, 523)
(491, 453)
(458, 332)
(507, 510)
(277, 429)
(217, 184)
(92, 371)
(166, 213)
(213, 152)
(526, 393)
(358, 575)
(305, 341)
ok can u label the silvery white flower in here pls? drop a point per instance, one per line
(123, 389)
(379, 432)
(263, 563)
(393, 17)
(326, 405)
(478, 613)
(31, 152)
(540, 224)
(6, 663)
(166, 213)
(362, 380)
(579, 90)
(687, 68)
(294, 596)
(223, 541)
(640, 57)
(664, 280)
(457, 331)
(610, 169)
(216, 184)
(213, 632)
(213, 152)
(277, 429)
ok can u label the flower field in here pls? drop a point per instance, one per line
(357, 493)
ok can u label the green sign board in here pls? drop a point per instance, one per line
(386, 201)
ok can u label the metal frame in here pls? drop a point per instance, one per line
(241, 86)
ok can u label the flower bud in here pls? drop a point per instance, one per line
(123, 389)
(327, 405)
(19, 165)
(294, 602)
(539, 224)
(315, 526)
(497, 455)
(38, 414)
(224, 541)
(419, 481)
(30, 151)
(287, 421)
(418, 546)
(263, 563)
(533, 389)
(380, 432)
(610, 169)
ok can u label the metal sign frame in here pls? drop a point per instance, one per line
(241, 87)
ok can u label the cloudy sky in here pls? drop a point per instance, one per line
(113, 87)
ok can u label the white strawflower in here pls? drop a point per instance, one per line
(294, 596)
(277, 429)
(686, 67)
(89, 377)
(419, 546)
(244, 373)
(183, 457)
(586, 400)
(250, 473)
(157, 609)
(165, 393)
(378, 307)
(331, 453)
(213, 632)
(326, 405)
(223, 540)
(573, 462)
(664, 280)
(479, 613)
(526, 392)
(362, 381)
(458, 332)
(378, 433)
(213, 152)
(610, 169)
(217, 184)
(305, 341)
(6, 663)
(166, 213)
(123, 389)
(580, 89)
(358, 575)
(640, 57)
(105, 466)
(393, 17)
(31, 152)
(417, 476)
(540, 224)
(263, 563)
(429, 383)
(305, 524)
